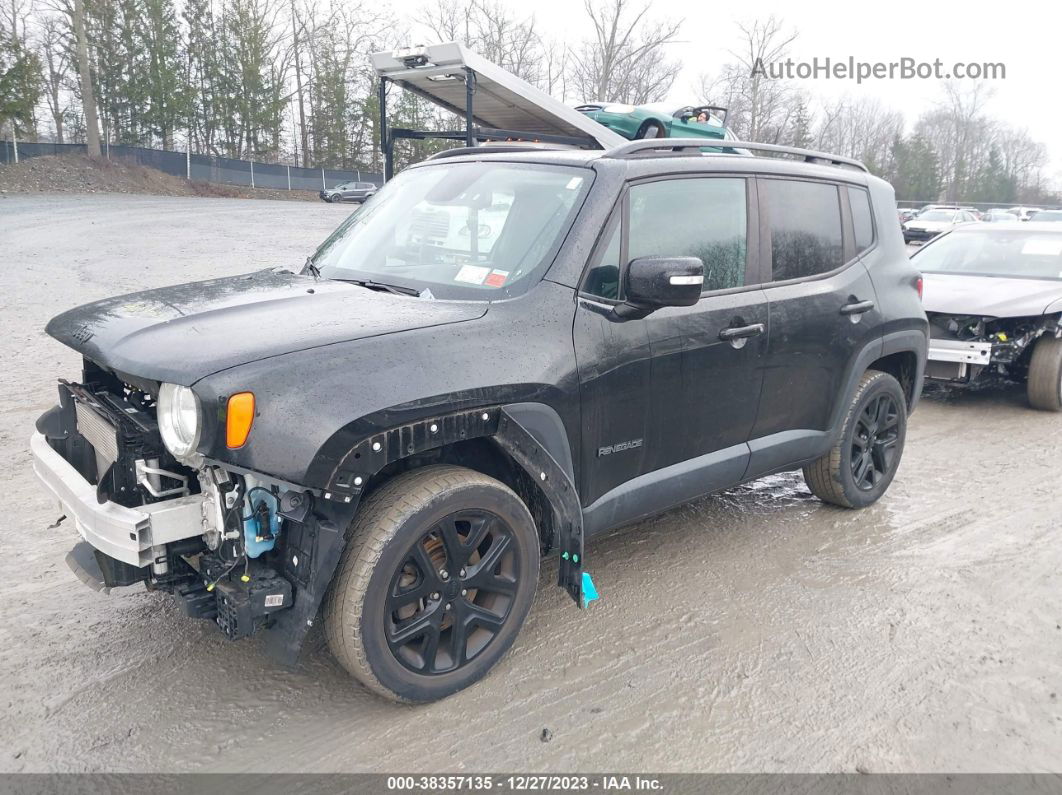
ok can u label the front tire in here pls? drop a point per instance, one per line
(436, 580)
(650, 129)
(860, 467)
(1045, 375)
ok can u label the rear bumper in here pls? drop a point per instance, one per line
(125, 534)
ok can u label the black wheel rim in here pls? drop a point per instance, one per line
(877, 433)
(452, 593)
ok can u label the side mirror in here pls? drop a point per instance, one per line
(655, 282)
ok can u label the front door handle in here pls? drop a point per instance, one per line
(858, 308)
(742, 332)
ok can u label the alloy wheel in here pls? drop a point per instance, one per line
(452, 593)
(874, 442)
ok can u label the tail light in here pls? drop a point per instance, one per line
(920, 286)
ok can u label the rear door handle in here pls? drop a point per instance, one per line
(858, 308)
(742, 332)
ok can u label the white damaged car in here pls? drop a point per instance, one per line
(993, 295)
(933, 222)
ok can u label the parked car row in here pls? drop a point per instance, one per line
(923, 225)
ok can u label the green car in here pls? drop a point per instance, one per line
(659, 120)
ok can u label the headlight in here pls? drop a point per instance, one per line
(180, 419)
(619, 108)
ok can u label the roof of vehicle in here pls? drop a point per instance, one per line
(647, 162)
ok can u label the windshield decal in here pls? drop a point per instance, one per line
(472, 274)
(496, 278)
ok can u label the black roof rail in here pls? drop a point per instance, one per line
(491, 149)
(679, 145)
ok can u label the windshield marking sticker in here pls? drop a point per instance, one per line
(497, 278)
(1052, 247)
(574, 183)
(472, 274)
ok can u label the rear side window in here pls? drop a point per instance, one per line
(862, 220)
(703, 218)
(805, 219)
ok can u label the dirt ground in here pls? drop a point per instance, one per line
(756, 630)
(80, 174)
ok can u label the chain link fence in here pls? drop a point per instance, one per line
(204, 168)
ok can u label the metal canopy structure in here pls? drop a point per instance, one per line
(495, 104)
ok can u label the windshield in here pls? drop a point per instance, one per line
(459, 230)
(1014, 255)
(937, 215)
(1047, 215)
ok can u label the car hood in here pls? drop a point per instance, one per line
(183, 333)
(988, 296)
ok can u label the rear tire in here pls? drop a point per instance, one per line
(860, 467)
(436, 580)
(1045, 375)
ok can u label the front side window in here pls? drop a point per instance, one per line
(705, 218)
(602, 279)
(459, 230)
(805, 219)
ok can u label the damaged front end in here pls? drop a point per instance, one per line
(968, 348)
(235, 547)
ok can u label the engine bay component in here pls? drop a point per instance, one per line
(243, 607)
(963, 347)
(261, 525)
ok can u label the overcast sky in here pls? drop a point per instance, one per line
(1025, 36)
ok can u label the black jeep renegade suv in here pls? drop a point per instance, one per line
(496, 357)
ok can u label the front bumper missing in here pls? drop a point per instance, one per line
(125, 534)
(950, 360)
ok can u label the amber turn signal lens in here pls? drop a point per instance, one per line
(238, 419)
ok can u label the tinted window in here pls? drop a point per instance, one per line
(862, 220)
(603, 277)
(805, 228)
(703, 218)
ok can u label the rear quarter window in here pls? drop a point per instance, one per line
(862, 219)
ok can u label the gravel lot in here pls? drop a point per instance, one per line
(756, 630)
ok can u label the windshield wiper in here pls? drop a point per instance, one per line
(397, 289)
(313, 269)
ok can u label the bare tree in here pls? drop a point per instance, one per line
(55, 47)
(862, 128)
(490, 29)
(625, 60)
(761, 108)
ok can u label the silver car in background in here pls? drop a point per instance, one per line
(993, 295)
(927, 225)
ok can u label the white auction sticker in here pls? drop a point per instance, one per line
(1045, 247)
(471, 274)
